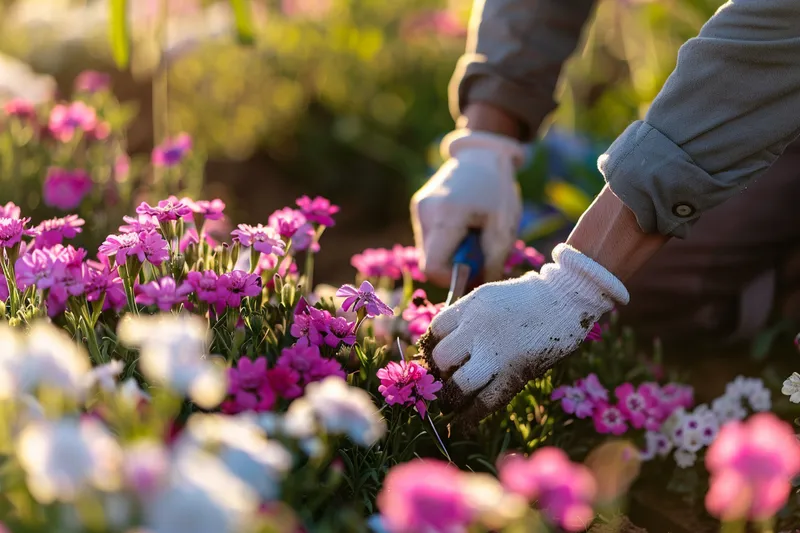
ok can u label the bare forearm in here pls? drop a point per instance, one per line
(608, 233)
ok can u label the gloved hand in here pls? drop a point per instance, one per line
(475, 188)
(489, 344)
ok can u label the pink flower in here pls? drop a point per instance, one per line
(263, 239)
(251, 374)
(634, 404)
(250, 387)
(674, 395)
(363, 297)
(65, 120)
(593, 388)
(211, 210)
(66, 189)
(407, 260)
(139, 224)
(172, 151)
(338, 330)
(165, 211)
(419, 314)
(3, 289)
(267, 263)
(51, 232)
(376, 263)
(523, 256)
(752, 464)
(92, 81)
(564, 490)
(20, 108)
(234, 286)
(123, 246)
(204, 284)
(319, 210)
(105, 280)
(36, 268)
(11, 231)
(154, 247)
(307, 323)
(425, 496)
(69, 277)
(408, 384)
(609, 419)
(574, 400)
(291, 224)
(10, 210)
(285, 382)
(309, 364)
(595, 334)
(164, 293)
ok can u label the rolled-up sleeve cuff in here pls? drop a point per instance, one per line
(659, 182)
(477, 81)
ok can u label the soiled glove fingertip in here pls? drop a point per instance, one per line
(426, 343)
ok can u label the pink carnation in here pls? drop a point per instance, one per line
(234, 286)
(164, 293)
(319, 210)
(263, 239)
(10, 210)
(11, 231)
(408, 384)
(104, 281)
(419, 314)
(165, 211)
(66, 189)
(51, 232)
(524, 257)
(635, 404)
(66, 120)
(574, 400)
(309, 364)
(609, 419)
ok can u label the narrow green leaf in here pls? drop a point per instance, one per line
(244, 21)
(118, 33)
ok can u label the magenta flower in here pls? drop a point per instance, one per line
(51, 232)
(595, 334)
(338, 330)
(251, 374)
(10, 210)
(139, 224)
(105, 280)
(609, 419)
(309, 364)
(37, 268)
(291, 224)
(249, 387)
(164, 293)
(408, 384)
(309, 324)
(425, 495)
(204, 284)
(363, 297)
(263, 239)
(564, 490)
(19, 108)
(123, 246)
(635, 404)
(285, 382)
(419, 314)
(154, 247)
(211, 210)
(69, 277)
(524, 257)
(752, 465)
(172, 151)
(65, 120)
(407, 260)
(674, 395)
(66, 189)
(377, 263)
(92, 81)
(574, 400)
(234, 286)
(12, 231)
(3, 289)
(165, 211)
(319, 210)
(593, 388)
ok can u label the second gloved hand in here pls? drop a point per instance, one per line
(489, 344)
(475, 188)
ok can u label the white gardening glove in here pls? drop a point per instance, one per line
(489, 344)
(475, 188)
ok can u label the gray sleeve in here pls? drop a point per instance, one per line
(515, 53)
(729, 109)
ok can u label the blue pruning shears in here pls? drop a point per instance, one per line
(467, 265)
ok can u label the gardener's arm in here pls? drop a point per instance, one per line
(501, 90)
(727, 112)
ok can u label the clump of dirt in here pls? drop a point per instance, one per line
(621, 524)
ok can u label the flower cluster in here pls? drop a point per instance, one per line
(388, 263)
(317, 327)
(409, 384)
(646, 406)
(686, 433)
(419, 314)
(253, 387)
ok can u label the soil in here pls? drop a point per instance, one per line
(659, 512)
(619, 525)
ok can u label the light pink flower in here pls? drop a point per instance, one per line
(319, 210)
(66, 189)
(376, 263)
(11, 231)
(164, 293)
(419, 314)
(263, 239)
(139, 224)
(104, 280)
(10, 210)
(407, 260)
(205, 285)
(337, 330)
(123, 246)
(593, 388)
(165, 211)
(51, 232)
(37, 268)
(609, 419)
(92, 81)
(234, 286)
(752, 464)
(564, 490)
(363, 297)
(574, 400)
(20, 108)
(408, 384)
(65, 120)
(425, 496)
(154, 247)
(211, 210)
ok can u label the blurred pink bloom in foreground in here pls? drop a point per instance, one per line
(419, 314)
(425, 495)
(408, 384)
(752, 464)
(20, 108)
(10, 210)
(172, 151)
(564, 490)
(66, 189)
(92, 81)
(523, 256)
(67, 119)
(441, 22)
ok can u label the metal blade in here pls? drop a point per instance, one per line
(458, 283)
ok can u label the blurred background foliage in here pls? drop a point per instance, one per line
(345, 98)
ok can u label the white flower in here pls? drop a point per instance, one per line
(742, 387)
(202, 496)
(339, 409)
(173, 352)
(760, 400)
(242, 447)
(62, 459)
(104, 376)
(728, 408)
(655, 444)
(791, 387)
(693, 440)
(684, 458)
